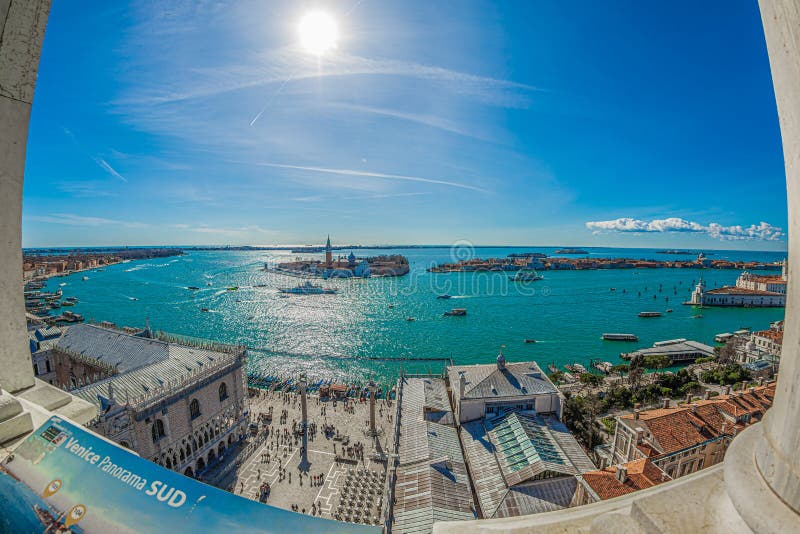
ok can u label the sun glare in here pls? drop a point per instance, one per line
(318, 32)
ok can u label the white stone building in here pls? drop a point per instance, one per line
(178, 404)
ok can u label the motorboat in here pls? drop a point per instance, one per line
(456, 312)
(526, 276)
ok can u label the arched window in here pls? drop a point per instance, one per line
(157, 430)
(223, 392)
(194, 409)
(125, 444)
(182, 456)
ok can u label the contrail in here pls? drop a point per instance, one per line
(352, 172)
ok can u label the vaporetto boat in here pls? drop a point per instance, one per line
(308, 288)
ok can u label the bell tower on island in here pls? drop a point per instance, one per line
(328, 253)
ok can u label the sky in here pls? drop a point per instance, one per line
(626, 123)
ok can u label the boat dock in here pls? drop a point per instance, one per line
(678, 351)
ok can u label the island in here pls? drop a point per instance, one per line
(582, 264)
(571, 251)
(343, 267)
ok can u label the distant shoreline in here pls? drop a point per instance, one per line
(657, 250)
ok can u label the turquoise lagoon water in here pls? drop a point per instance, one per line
(353, 333)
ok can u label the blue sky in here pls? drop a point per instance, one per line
(589, 123)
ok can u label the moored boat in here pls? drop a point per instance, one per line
(620, 337)
(456, 312)
(649, 314)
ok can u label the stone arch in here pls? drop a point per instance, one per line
(188, 472)
(201, 464)
(221, 448)
(212, 455)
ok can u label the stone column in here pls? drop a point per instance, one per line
(22, 24)
(762, 467)
(303, 402)
(372, 430)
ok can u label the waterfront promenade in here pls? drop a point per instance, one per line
(338, 472)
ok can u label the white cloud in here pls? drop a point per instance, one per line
(762, 231)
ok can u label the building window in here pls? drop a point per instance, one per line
(194, 409)
(157, 430)
(223, 392)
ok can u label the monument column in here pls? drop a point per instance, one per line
(303, 402)
(372, 430)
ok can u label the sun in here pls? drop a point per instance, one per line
(318, 32)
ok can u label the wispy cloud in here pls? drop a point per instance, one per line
(761, 232)
(204, 229)
(432, 121)
(379, 175)
(289, 64)
(80, 220)
(85, 189)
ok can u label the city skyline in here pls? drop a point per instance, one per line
(503, 125)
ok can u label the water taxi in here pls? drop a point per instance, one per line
(456, 312)
(529, 340)
(620, 337)
(410, 319)
(444, 297)
(233, 288)
(85, 278)
(307, 288)
(204, 310)
(649, 314)
(193, 288)
(526, 276)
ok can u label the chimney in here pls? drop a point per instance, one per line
(724, 426)
(688, 398)
(666, 403)
(761, 381)
(636, 410)
(744, 386)
(639, 435)
(462, 384)
(622, 473)
(707, 394)
(727, 390)
(694, 407)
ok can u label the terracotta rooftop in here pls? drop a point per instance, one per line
(774, 335)
(668, 430)
(733, 290)
(642, 474)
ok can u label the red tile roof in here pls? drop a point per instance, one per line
(668, 430)
(733, 290)
(774, 335)
(642, 474)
